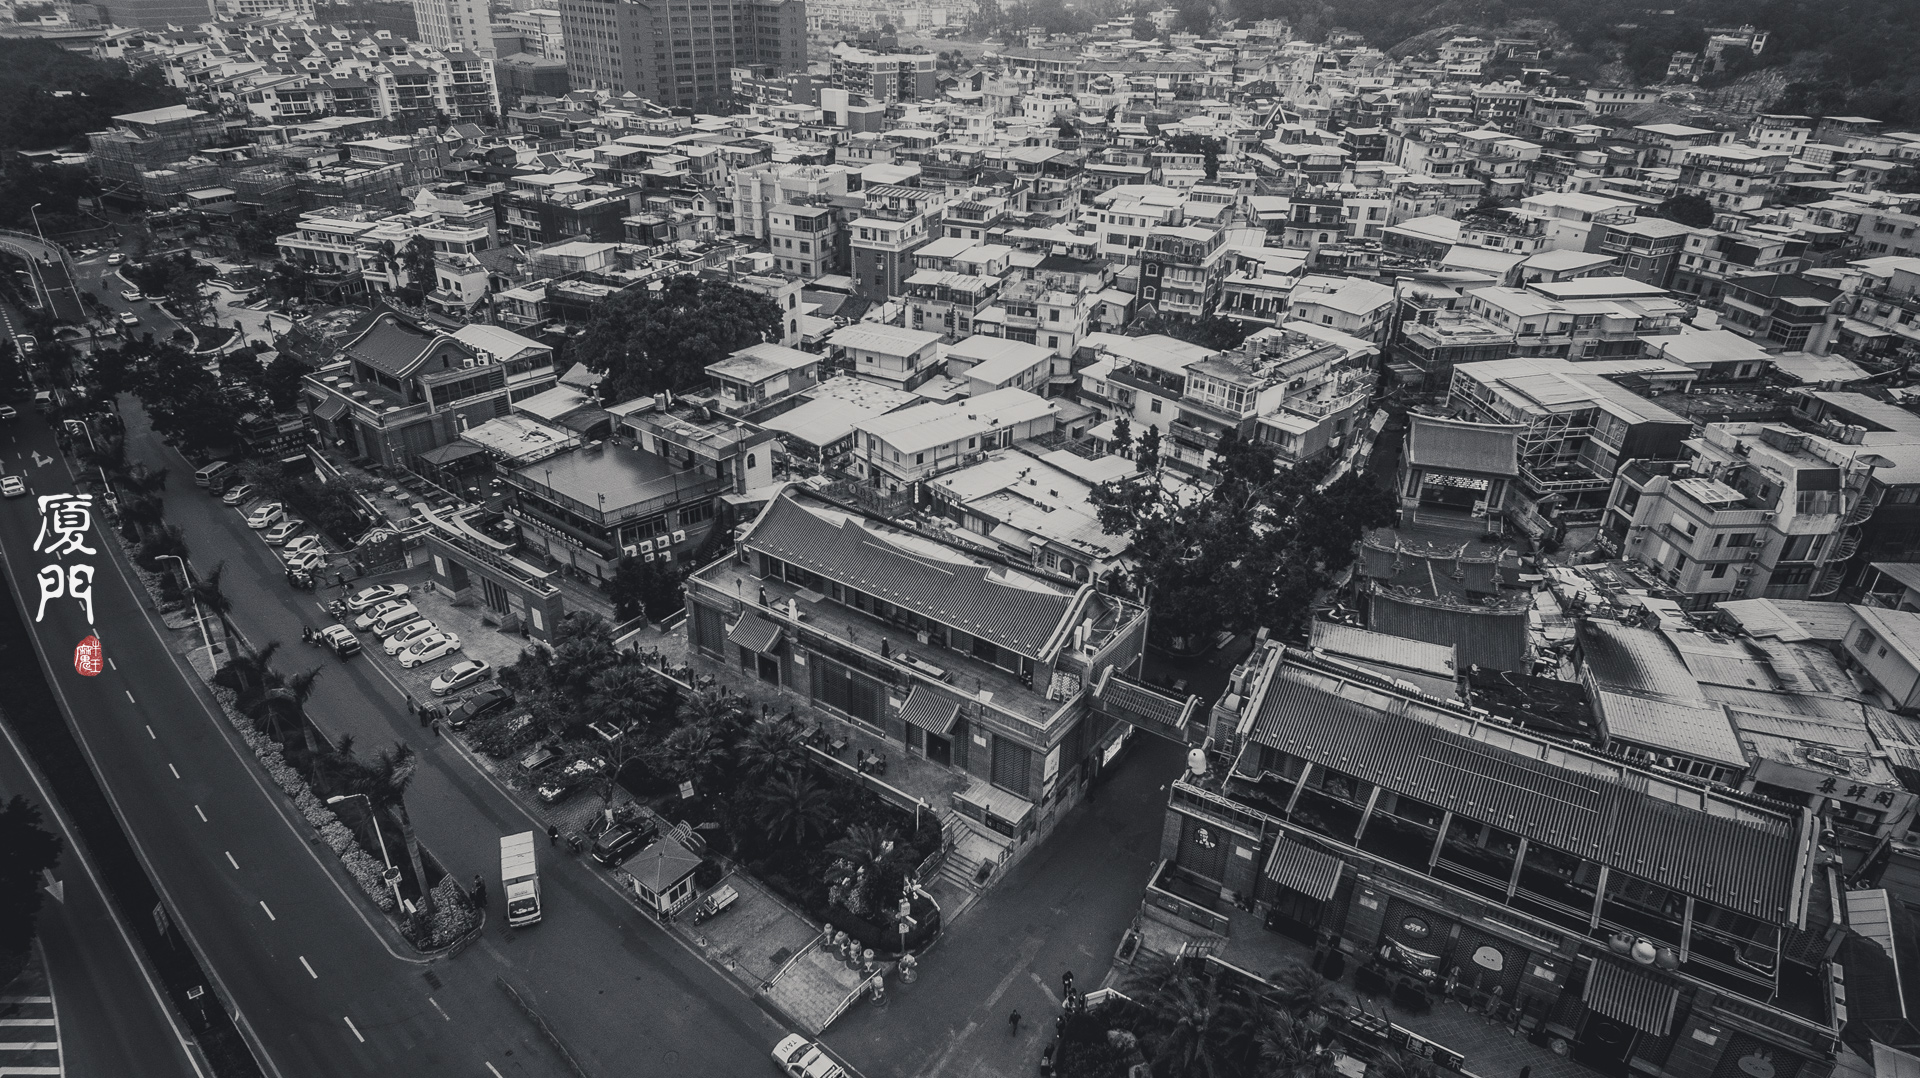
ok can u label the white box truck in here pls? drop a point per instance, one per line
(521, 879)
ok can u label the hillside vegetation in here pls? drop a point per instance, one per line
(1855, 57)
(50, 98)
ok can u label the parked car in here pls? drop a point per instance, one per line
(341, 640)
(129, 319)
(366, 618)
(239, 495)
(309, 560)
(429, 648)
(802, 1058)
(300, 544)
(374, 596)
(477, 705)
(400, 639)
(283, 532)
(460, 675)
(265, 516)
(7, 412)
(618, 844)
(12, 486)
(131, 295)
(116, 258)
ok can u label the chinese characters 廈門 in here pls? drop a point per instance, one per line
(64, 522)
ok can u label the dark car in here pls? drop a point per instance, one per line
(618, 844)
(477, 705)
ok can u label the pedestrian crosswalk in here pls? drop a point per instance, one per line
(29, 1036)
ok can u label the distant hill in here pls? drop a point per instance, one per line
(1858, 56)
(50, 97)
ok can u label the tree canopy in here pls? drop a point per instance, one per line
(50, 97)
(1253, 551)
(25, 849)
(650, 340)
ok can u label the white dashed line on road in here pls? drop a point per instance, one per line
(129, 693)
(111, 666)
(356, 1029)
(437, 1007)
(150, 734)
(270, 916)
(309, 969)
(203, 815)
(496, 1074)
(231, 861)
(175, 770)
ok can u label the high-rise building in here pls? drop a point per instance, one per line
(679, 53)
(157, 14)
(455, 22)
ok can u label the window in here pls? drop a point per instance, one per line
(1154, 406)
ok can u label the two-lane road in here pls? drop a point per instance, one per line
(318, 990)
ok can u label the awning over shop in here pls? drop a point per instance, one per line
(932, 708)
(755, 633)
(1309, 872)
(1631, 997)
(330, 409)
(451, 452)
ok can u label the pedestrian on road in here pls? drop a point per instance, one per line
(553, 835)
(1066, 983)
(479, 892)
(436, 726)
(1013, 1024)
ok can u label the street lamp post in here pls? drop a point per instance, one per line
(73, 424)
(186, 583)
(35, 211)
(393, 878)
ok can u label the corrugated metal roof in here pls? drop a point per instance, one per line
(1675, 836)
(1699, 731)
(1632, 997)
(997, 604)
(1309, 872)
(1135, 703)
(1435, 659)
(1435, 442)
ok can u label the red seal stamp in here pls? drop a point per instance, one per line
(87, 658)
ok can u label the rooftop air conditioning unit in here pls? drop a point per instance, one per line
(680, 537)
(630, 550)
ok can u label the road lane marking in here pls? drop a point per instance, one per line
(437, 1007)
(110, 665)
(203, 815)
(496, 1074)
(263, 905)
(231, 861)
(356, 1029)
(175, 770)
(308, 968)
(1044, 990)
(129, 693)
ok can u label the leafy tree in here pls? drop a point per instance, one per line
(651, 340)
(1253, 551)
(645, 587)
(771, 749)
(1147, 454)
(289, 281)
(26, 849)
(51, 98)
(1690, 210)
(631, 699)
(13, 371)
(1208, 331)
(56, 189)
(1123, 436)
(419, 260)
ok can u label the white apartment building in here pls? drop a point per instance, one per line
(466, 23)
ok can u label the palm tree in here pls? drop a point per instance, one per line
(385, 783)
(253, 670)
(1197, 1031)
(144, 511)
(288, 702)
(1394, 1063)
(1292, 1044)
(866, 846)
(207, 592)
(628, 698)
(794, 807)
(772, 748)
(337, 770)
(1299, 990)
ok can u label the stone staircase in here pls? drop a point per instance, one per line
(962, 866)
